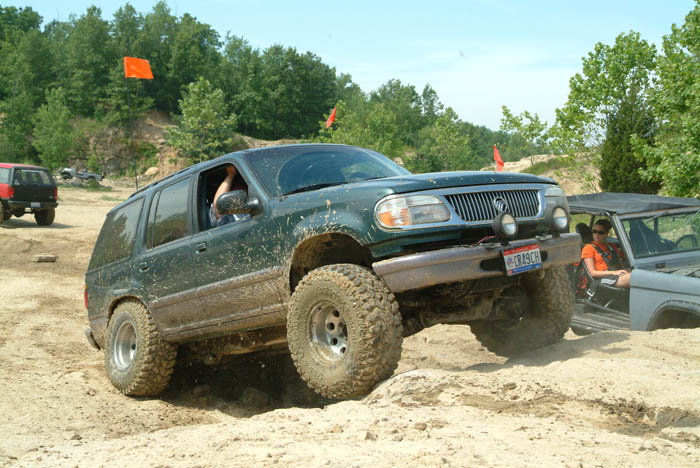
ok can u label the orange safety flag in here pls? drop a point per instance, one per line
(137, 68)
(331, 119)
(497, 158)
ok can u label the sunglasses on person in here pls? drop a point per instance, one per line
(595, 231)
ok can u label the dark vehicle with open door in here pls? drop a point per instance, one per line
(27, 189)
(660, 239)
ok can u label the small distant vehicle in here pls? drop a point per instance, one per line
(660, 239)
(27, 189)
(68, 173)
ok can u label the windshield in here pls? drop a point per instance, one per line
(293, 169)
(663, 233)
(32, 177)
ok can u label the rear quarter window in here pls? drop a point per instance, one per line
(116, 239)
(4, 175)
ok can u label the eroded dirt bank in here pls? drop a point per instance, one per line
(613, 399)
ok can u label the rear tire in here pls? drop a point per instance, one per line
(4, 213)
(344, 330)
(45, 217)
(137, 359)
(545, 322)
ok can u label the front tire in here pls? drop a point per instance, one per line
(344, 330)
(546, 320)
(137, 359)
(45, 217)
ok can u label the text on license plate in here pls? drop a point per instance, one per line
(520, 259)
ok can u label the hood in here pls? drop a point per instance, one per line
(439, 180)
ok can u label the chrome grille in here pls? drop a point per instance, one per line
(479, 206)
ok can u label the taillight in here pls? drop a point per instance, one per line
(85, 296)
(55, 193)
(11, 192)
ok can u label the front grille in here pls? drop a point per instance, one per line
(479, 206)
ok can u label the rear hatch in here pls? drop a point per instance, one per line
(33, 185)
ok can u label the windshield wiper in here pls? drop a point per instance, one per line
(315, 187)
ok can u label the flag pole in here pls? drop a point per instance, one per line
(131, 132)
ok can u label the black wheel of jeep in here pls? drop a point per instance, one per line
(4, 213)
(137, 359)
(45, 217)
(344, 330)
(545, 321)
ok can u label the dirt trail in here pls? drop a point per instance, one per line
(618, 399)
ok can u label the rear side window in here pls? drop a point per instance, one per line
(4, 175)
(169, 217)
(116, 240)
(32, 177)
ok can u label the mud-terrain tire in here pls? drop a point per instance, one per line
(45, 217)
(545, 322)
(344, 330)
(137, 359)
(4, 213)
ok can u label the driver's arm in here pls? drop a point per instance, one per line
(224, 187)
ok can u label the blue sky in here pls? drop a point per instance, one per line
(477, 54)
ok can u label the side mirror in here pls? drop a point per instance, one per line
(235, 202)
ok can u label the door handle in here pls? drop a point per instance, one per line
(144, 266)
(199, 248)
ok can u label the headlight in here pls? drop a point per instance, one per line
(558, 219)
(401, 212)
(504, 225)
(554, 192)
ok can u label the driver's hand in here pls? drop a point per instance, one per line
(231, 170)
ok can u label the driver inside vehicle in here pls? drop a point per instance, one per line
(604, 259)
(219, 219)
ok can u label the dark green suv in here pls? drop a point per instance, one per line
(335, 253)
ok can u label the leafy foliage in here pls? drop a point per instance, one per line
(53, 130)
(673, 158)
(205, 129)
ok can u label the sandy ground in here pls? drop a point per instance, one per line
(614, 399)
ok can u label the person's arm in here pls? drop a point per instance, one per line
(590, 265)
(224, 187)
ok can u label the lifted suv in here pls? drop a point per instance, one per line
(27, 189)
(338, 254)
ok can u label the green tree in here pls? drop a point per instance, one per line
(89, 58)
(378, 131)
(445, 147)
(528, 130)
(619, 168)
(674, 156)
(405, 103)
(205, 130)
(53, 132)
(609, 74)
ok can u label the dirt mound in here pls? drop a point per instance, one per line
(609, 399)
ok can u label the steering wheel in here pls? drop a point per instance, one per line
(691, 240)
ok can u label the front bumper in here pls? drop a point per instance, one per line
(34, 205)
(456, 264)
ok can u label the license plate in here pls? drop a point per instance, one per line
(520, 259)
(36, 204)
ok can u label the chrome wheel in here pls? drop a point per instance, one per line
(329, 333)
(124, 348)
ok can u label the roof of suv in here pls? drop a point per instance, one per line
(625, 203)
(28, 166)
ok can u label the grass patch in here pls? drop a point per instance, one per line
(550, 165)
(112, 199)
(91, 187)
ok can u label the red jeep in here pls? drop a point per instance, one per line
(27, 189)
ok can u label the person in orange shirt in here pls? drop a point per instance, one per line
(604, 260)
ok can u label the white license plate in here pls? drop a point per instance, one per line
(36, 204)
(520, 259)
